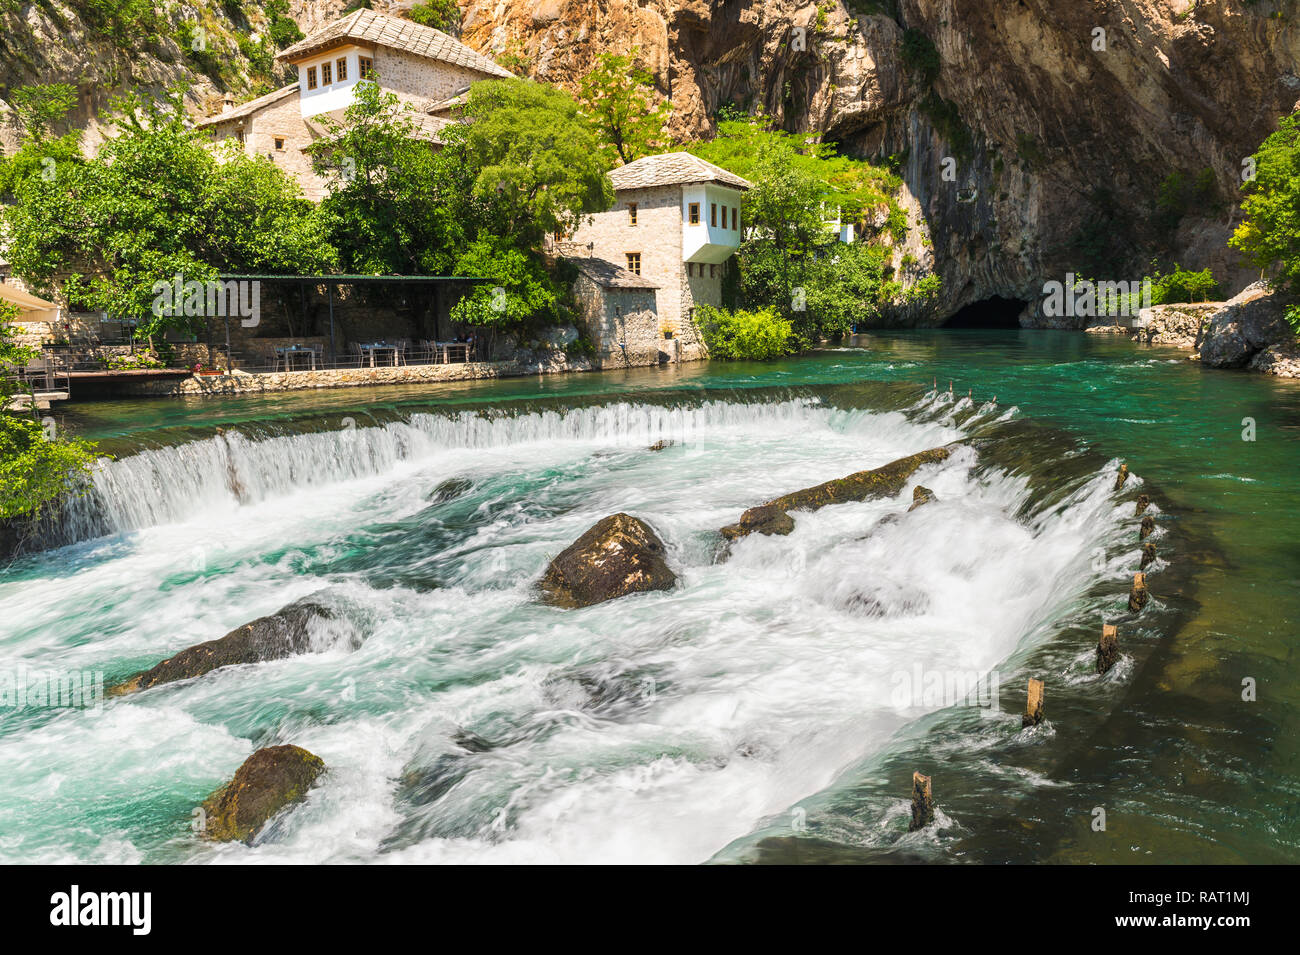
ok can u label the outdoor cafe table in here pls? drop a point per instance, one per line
(289, 352)
(447, 349)
(378, 347)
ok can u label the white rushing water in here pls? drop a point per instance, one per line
(655, 728)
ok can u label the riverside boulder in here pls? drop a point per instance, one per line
(269, 780)
(884, 481)
(617, 556)
(281, 634)
(764, 519)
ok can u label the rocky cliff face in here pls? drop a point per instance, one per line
(106, 49)
(1033, 135)
(1061, 118)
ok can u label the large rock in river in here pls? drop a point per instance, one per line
(764, 519)
(1248, 324)
(883, 481)
(281, 634)
(269, 780)
(619, 555)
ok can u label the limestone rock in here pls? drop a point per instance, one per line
(879, 482)
(764, 519)
(269, 780)
(617, 556)
(281, 634)
(921, 495)
(1248, 324)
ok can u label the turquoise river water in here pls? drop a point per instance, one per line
(770, 708)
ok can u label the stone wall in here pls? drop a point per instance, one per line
(622, 323)
(419, 80)
(243, 383)
(657, 235)
(281, 119)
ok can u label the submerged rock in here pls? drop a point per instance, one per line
(619, 555)
(921, 495)
(282, 634)
(449, 489)
(269, 780)
(661, 444)
(879, 482)
(764, 519)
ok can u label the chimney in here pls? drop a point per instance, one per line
(227, 103)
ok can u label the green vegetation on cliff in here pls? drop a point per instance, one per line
(1270, 234)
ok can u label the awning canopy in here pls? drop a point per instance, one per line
(24, 300)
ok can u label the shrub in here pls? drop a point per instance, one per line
(743, 335)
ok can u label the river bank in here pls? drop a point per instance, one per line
(757, 687)
(1249, 331)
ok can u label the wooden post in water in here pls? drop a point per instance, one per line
(1121, 477)
(1142, 503)
(1137, 597)
(1148, 525)
(922, 803)
(1033, 704)
(1107, 647)
(1148, 554)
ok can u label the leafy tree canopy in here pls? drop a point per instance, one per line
(1270, 234)
(619, 105)
(155, 203)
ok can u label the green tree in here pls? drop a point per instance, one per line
(440, 14)
(523, 165)
(282, 29)
(741, 335)
(154, 203)
(619, 104)
(1270, 234)
(39, 109)
(386, 210)
(38, 465)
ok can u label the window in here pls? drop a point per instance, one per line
(326, 74)
(694, 217)
(366, 67)
(634, 262)
(343, 68)
(713, 271)
(279, 143)
(734, 212)
(239, 135)
(713, 214)
(631, 213)
(311, 77)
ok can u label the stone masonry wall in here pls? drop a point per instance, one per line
(419, 80)
(282, 119)
(622, 323)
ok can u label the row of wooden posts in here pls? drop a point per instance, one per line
(1107, 655)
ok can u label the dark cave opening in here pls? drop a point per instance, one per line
(994, 312)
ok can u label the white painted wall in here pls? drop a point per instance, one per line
(705, 242)
(338, 94)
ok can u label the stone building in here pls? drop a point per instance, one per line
(675, 224)
(423, 66)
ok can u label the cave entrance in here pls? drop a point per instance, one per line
(995, 312)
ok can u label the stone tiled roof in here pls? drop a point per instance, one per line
(669, 169)
(247, 109)
(368, 27)
(609, 275)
